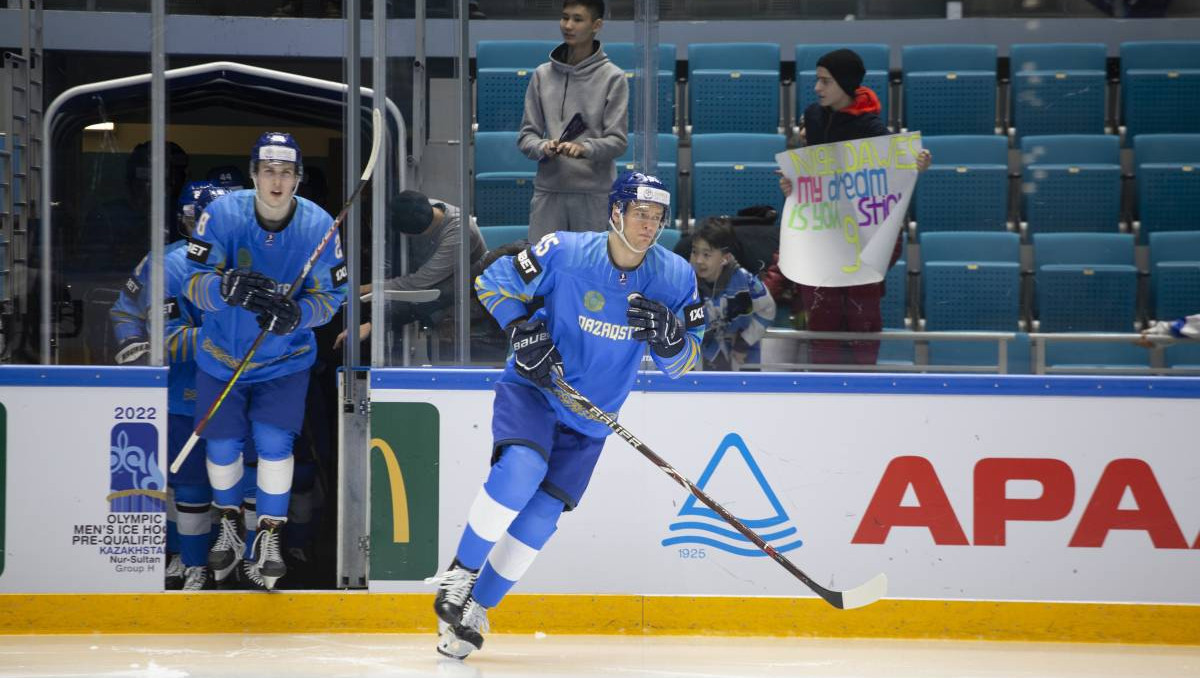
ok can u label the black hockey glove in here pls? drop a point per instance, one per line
(534, 354)
(739, 305)
(133, 351)
(281, 315)
(654, 323)
(238, 286)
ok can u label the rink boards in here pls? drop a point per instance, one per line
(998, 496)
(999, 507)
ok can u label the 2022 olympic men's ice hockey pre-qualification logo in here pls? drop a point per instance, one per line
(593, 301)
(742, 488)
(136, 483)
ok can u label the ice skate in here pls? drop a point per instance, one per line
(175, 576)
(227, 550)
(454, 586)
(460, 640)
(267, 553)
(252, 578)
(195, 578)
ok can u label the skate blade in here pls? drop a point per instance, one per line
(453, 647)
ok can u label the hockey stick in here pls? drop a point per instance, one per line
(865, 594)
(376, 142)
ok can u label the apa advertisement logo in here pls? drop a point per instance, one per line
(744, 489)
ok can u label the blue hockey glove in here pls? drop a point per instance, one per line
(280, 315)
(656, 324)
(239, 284)
(534, 355)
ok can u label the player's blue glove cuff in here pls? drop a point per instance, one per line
(655, 324)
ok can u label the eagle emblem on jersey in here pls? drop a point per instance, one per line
(593, 301)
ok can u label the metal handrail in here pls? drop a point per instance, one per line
(917, 338)
(1038, 341)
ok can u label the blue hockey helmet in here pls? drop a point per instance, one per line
(276, 147)
(635, 187)
(194, 199)
(228, 176)
(185, 207)
(207, 195)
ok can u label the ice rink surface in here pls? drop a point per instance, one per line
(336, 655)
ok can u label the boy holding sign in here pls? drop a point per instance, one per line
(844, 111)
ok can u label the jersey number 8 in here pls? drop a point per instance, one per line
(201, 223)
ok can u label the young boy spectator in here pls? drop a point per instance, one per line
(738, 307)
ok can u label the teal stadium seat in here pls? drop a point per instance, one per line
(876, 59)
(894, 305)
(1175, 287)
(1071, 183)
(1160, 83)
(1167, 167)
(1087, 282)
(970, 282)
(623, 55)
(1174, 274)
(503, 180)
(949, 89)
(1058, 88)
(495, 236)
(733, 87)
(966, 188)
(669, 238)
(732, 171)
(503, 71)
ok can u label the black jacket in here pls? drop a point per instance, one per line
(857, 121)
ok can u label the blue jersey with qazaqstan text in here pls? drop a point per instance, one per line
(130, 318)
(228, 235)
(586, 301)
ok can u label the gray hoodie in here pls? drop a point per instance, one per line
(595, 88)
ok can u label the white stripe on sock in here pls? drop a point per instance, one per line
(275, 476)
(193, 524)
(511, 557)
(224, 477)
(488, 517)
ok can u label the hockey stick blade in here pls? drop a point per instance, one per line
(862, 595)
(376, 143)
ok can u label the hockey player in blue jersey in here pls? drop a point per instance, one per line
(244, 253)
(607, 296)
(188, 525)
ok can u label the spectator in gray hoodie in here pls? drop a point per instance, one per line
(570, 192)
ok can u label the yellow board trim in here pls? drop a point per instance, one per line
(400, 532)
(361, 612)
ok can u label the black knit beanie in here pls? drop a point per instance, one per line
(410, 212)
(846, 67)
